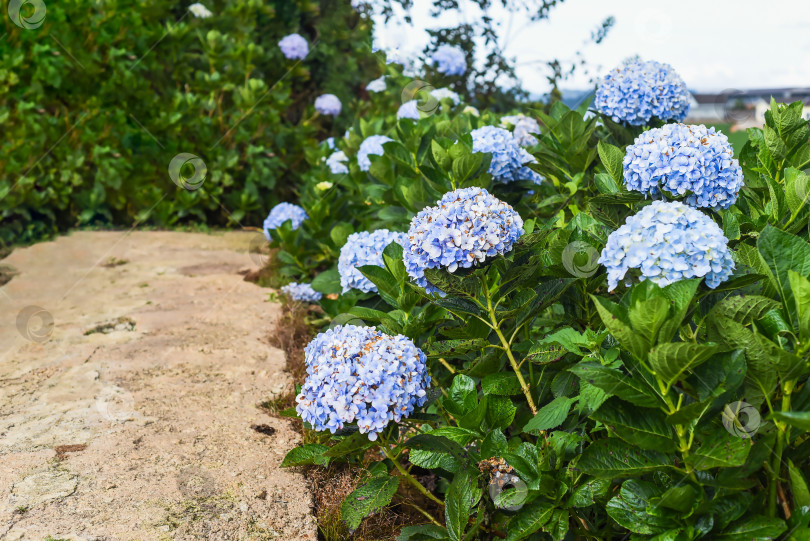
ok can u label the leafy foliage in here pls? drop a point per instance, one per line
(663, 413)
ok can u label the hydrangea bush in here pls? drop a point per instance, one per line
(692, 161)
(360, 375)
(450, 60)
(281, 213)
(328, 104)
(604, 362)
(301, 292)
(464, 228)
(667, 243)
(637, 92)
(508, 158)
(364, 248)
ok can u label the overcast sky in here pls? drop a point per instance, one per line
(713, 44)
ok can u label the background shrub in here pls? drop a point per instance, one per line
(98, 100)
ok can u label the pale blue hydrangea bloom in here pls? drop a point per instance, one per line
(337, 163)
(409, 109)
(637, 92)
(373, 144)
(294, 47)
(442, 93)
(301, 292)
(450, 60)
(377, 85)
(692, 161)
(280, 214)
(328, 104)
(465, 227)
(199, 11)
(522, 128)
(508, 158)
(360, 375)
(666, 242)
(330, 143)
(392, 56)
(361, 249)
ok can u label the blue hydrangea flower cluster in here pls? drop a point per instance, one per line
(364, 248)
(450, 60)
(684, 160)
(294, 47)
(442, 93)
(522, 129)
(464, 228)
(409, 109)
(377, 85)
(508, 158)
(301, 292)
(280, 214)
(360, 375)
(668, 242)
(373, 144)
(337, 163)
(636, 92)
(328, 104)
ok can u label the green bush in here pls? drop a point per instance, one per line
(667, 413)
(98, 100)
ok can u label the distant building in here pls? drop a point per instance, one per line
(743, 108)
(707, 108)
(761, 106)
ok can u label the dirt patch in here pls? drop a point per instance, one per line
(143, 432)
(118, 324)
(63, 450)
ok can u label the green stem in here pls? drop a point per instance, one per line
(506, 346)
(387, 452)
(425, 513)
(776, 462)
(447, 365)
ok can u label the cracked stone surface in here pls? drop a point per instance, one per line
(142, 432)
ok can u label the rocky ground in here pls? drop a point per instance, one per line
(131, 366)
